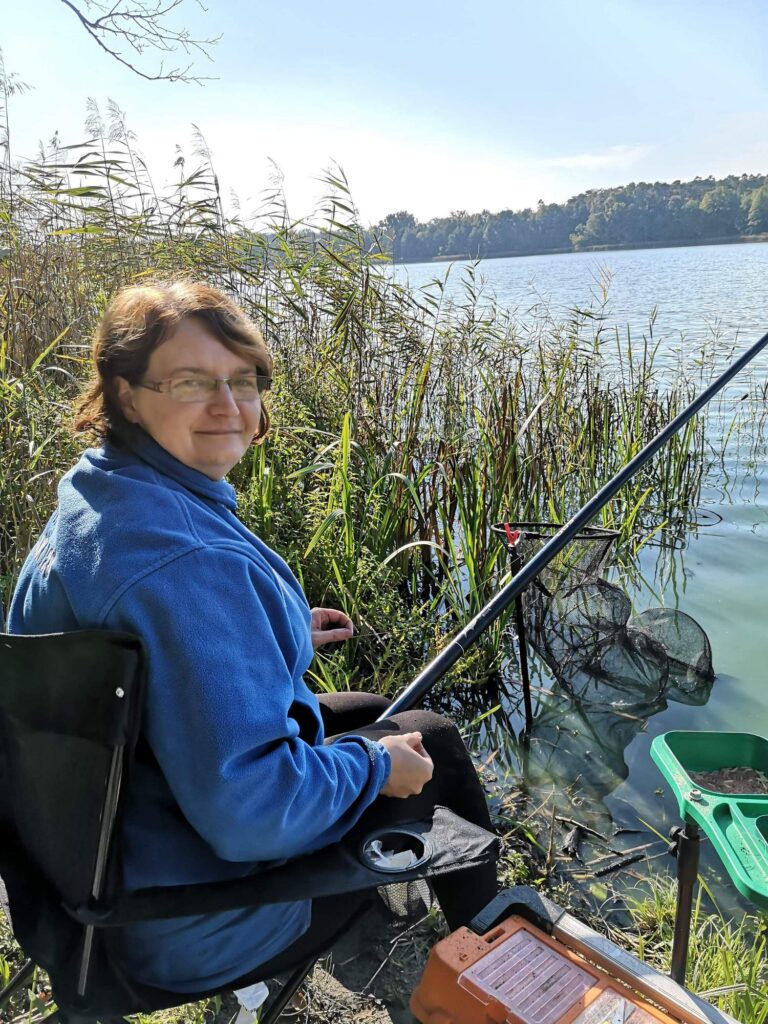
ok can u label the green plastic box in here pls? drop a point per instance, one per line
(736, 824)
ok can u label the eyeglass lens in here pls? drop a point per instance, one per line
(245, 388)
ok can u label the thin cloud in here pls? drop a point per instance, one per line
(615, 157)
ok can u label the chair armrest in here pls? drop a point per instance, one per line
(332, 871)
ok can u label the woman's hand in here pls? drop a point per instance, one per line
(412, 766)
(329, 626)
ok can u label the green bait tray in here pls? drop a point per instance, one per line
(736, 823)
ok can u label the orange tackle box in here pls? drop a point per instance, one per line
(514, 973)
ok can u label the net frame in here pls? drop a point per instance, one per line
(601, 539)
(577, 570)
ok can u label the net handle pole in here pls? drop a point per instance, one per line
(440, 665)
(522, 640)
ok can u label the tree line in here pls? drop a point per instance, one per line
(636, 214)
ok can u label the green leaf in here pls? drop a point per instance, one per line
(49, 348)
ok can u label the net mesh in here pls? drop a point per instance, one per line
(406, 899)
(581, 625)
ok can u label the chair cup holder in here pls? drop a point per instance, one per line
(394, 850)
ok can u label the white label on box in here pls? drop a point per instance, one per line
(613, 1008)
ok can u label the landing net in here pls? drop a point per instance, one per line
(581, 625)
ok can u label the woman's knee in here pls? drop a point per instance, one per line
(346, 699)
(347, 711)
(430, 725)
(441, 739)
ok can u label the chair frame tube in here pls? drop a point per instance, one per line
(106, 833)
(20, 977)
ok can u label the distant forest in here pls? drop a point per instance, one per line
(701, 210)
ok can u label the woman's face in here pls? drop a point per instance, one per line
(210, 436)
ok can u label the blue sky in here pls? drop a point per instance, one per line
(428, 106)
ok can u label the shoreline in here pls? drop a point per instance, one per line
(618, 247)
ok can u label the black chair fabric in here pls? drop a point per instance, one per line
(66, 702)
(334, 871)
(70, 713)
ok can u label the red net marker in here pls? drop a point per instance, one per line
(513, 538)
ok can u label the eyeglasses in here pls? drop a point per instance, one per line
(245, 387)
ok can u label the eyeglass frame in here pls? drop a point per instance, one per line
(161, 387)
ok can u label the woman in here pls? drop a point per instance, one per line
(235, 769)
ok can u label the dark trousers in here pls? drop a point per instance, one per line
(454, 784)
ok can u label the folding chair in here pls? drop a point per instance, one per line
(70, 715)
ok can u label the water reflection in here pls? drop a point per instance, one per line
(582, 727)
(600, 673)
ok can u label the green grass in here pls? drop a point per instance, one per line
(727, 962)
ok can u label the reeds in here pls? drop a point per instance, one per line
(405, 425)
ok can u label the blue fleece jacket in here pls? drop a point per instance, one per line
(240, 775)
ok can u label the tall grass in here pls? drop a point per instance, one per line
(726, 961)
(405, 424)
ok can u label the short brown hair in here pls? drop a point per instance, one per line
(137, 320)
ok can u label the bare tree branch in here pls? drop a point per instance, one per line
(142, 25)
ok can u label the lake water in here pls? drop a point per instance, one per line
(713, 296)
(697, 291)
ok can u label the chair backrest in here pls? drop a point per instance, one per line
(70, 708)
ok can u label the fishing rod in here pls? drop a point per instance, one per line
(459, 645)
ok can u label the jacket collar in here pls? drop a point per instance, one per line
(149, 451)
